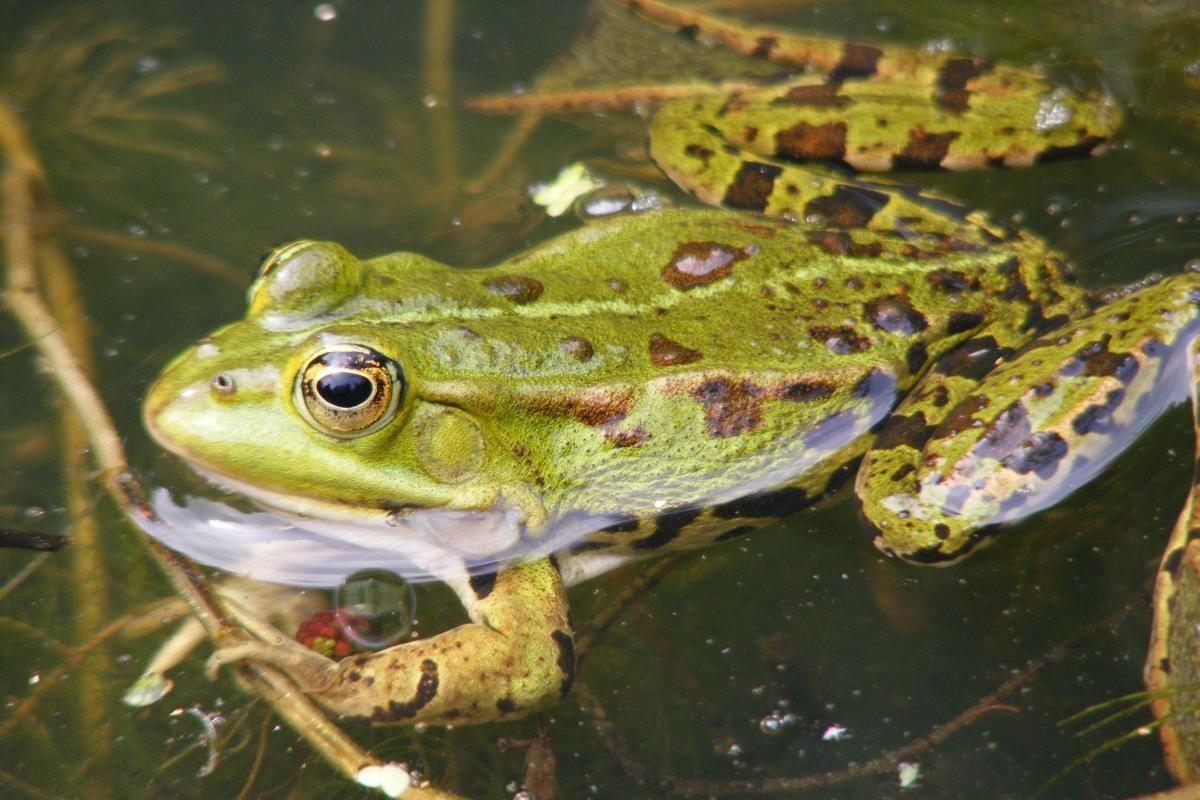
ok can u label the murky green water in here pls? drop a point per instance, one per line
(339, 129)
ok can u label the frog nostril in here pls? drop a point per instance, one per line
(222, 383)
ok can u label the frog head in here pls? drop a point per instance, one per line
(310, 405)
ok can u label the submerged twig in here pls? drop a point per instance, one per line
(889, 761)
(609, 737)
(609, 614)
(175, 252)
(30, 540)
(23, 575)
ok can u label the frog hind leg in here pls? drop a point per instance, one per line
(1172, 667)
(699, 159)
(965, 452)
(891, 106)
(516, 655)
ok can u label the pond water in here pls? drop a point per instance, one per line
(183, 139)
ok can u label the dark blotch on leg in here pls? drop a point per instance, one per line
(924, 150)
(733, 533)
(427, 688)
(804, 142)
(666, 529)
(951, 93)
(483, 584)
(974, 358)
(752, 186)
(961, 321)
(916, 357)
(1038, 454)
(566, 660)
(858, 61)
(912, 430)
(767, 504)
(847, 207)
(1173, 562)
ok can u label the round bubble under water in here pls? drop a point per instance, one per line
(375, 608)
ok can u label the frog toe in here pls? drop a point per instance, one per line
(308, 669)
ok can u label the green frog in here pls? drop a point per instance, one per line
(672, 379)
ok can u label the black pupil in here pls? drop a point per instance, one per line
(344, 389)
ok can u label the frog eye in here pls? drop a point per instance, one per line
(350, 391)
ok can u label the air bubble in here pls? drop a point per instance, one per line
(375, 608)
(775, 722)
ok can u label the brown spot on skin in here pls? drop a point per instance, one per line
(627, 438)
(594, 408)
(941, 396)
(821, 95)
(924, 150)
(577, 347)
(730, 409)
(858, 61)
(952, 281)
(840, 340)
(700, 263)
(752, 186)
(688, 31)
(812, 142)
(847, 207)
(758, 229)
(517, 288)
(666, 352)
(702, 153)
(941, 531)
(895, 315)
(734, 103)
(951, 93)
(903, 472)
(841, 243)
(427, 687)
(505, 705)
(803, 391)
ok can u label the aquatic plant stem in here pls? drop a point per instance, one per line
(23, 181)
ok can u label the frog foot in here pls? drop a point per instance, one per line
(311, 671)
(516, 655)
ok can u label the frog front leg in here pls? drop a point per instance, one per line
(516, 655)
(949, 465)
